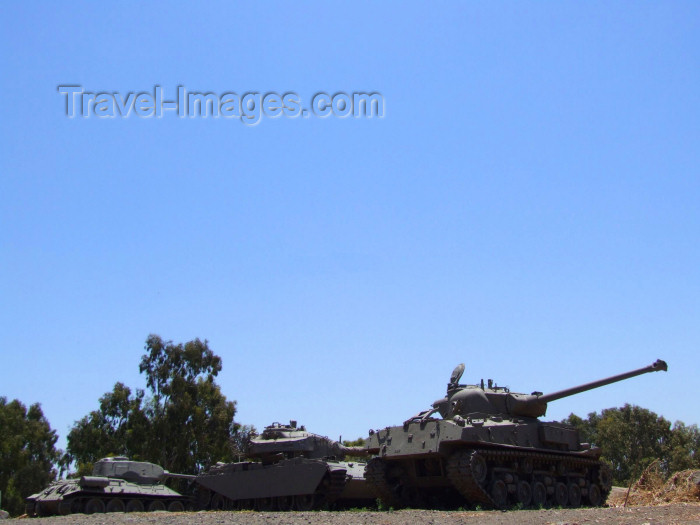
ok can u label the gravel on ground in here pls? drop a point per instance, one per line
(676, 513)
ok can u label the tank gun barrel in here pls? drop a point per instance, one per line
(535, 404)
(167, 474)
(355, 451)
(654, 367)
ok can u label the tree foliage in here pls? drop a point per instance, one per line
(120, 426)
(27, 453)
(240, 441)
(185, 425)
(359, 442)
(631, 437)
(684, 447)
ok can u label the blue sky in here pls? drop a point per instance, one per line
(529, 204)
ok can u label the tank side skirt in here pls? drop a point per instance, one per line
(282, 479)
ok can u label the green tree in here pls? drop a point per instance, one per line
(240, 440)
(588, 428)
(359, 442)
(631, 437)
(119, 427)
(188, 404)
(27, 453)
(185, 425)
(684, 447)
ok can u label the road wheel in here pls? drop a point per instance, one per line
(94, 506)
(561, 494)
(524, 493)
(305, 502)
(39, 509)
(499, 493)
(595, 498)
(202, 498)
(156, 505)
(479, 468)
(115, 505)
(605, 478)
(135, 505)
(176, 506)
(574, 494)
(539, 494)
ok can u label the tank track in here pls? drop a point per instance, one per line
(463, 476)
(375, 474)
(337, 478)
(459, 472)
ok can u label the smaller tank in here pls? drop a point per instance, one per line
(291, 469)
(116, 485)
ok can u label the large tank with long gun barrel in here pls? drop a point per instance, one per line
(289, 469)
(117, 484)
(490, 449)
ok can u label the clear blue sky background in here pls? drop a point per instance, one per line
(529, 205)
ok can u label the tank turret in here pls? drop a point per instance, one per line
(475, 400)
(279, 441)
(141, 472)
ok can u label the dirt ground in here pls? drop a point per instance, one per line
(661, 514)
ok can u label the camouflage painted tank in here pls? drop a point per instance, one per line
(292, 469)
(488, 448)
(116, 485)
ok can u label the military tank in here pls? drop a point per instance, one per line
(489, 449)
(290, 469)
(116, 485)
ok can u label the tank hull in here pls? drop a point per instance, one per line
(491, 462)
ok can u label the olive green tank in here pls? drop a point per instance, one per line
(291, 469)
(116, 485)
(488, 448)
